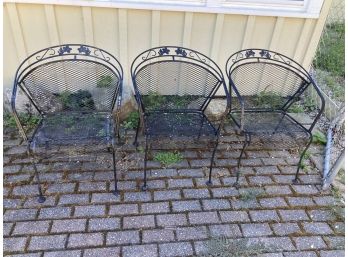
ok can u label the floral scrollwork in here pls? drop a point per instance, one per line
(84, 49)
(265, 54)
(249, 53)
(180, 51)
(163, 51)
(64, 49)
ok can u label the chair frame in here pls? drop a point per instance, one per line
(256, 55)
(67, 52)
(183, 55)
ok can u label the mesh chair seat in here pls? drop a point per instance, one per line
(178, 124)
(73, 128)
(281, 129)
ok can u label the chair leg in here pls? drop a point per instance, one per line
(135, 143)
(209, 182)
(144, 187)
(246, 142)
(296, 180)
(41, 198)
(115, 191)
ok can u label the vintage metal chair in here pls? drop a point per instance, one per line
(173, 87)
(266, 88)
(74, 89)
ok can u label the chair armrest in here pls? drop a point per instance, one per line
(318, 98)
(321, 107)
(233, 89)
(14, 113)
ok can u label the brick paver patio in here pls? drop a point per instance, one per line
(178, 216)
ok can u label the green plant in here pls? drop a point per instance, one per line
(319, 138)
(309, 104)
(29, 121)
(269, 100)
(153, 100)
(251, 194)
(296, 108)
(330, 56)
(80, 100)
(180, 101)
(131, 121)
(167, 158)
(223, 247)
(104, 81)
(336, 85)
(335, 208)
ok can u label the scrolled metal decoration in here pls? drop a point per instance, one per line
(249, 53)
(279, 57)
(194, 55)
(153, 52)
(180, 51)
(106, 58)
(238, 57)
(84, 49)
(52, 52)
(265, 54)
(64, 49)
(163, 51)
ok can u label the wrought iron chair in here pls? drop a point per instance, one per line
(74, 89)
(173, 88)
(266, 89)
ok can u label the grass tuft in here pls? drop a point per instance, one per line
(167, 158)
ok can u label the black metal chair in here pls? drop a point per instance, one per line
(74, 89)
(266, 87)
(173, 88)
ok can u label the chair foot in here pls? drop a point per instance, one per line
(295, 181)
(144, 188)
(236, 185)
(209, 183)
(136, 144)
(115, 192)
(41, 199)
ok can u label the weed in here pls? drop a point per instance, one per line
(81, 100)
(251, 194)
(331, 54)
(269, 100)
(341, 176)
(28, 121)
(296, 108)
(309, 104)
(335, 208)
(167, 158)
(319, 138)
(104, 81)
(153, 100)
(132, 121)
(222, 247)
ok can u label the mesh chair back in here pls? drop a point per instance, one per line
(71, 78)
(265, 79)
(174, 78)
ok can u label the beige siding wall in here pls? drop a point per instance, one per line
(126, 32)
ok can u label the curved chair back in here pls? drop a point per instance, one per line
(70, 78)
(171, 78)
(266, 79)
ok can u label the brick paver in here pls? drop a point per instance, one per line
(178, 216)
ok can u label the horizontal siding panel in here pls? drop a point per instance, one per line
(127, 32)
